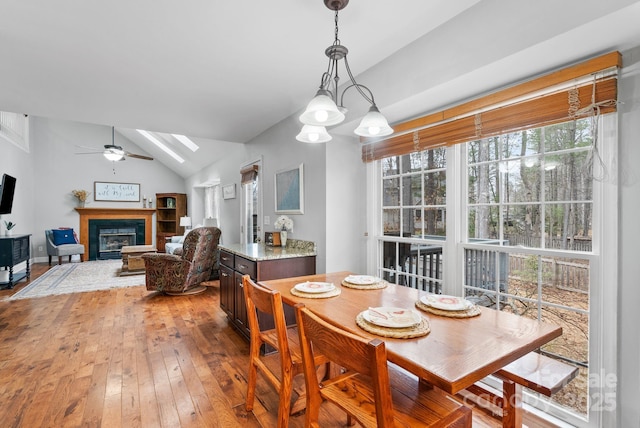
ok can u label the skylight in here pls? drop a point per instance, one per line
(164, 148)
(186, 141)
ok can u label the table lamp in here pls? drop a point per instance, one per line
(185, 222)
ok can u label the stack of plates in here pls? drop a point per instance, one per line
(364, 281)
(314, 287)
(446, 303)
(448, 306)
(392, 317)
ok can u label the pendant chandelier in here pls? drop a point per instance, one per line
(323, 110)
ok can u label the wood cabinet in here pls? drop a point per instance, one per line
(169, 208)
(234, 266)
(14, 250)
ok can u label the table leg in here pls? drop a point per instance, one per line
(512, 406)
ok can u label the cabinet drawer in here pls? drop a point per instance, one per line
(226, 259)
(246, 267)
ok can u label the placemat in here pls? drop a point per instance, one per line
(335, 292)
(471, 312)
(422, 329)
(377, 285)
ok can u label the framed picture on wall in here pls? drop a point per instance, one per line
(116, 192)
(289, 191)
(229, 191)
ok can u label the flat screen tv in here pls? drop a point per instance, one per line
(7, 190)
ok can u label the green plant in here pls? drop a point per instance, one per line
(9, 224)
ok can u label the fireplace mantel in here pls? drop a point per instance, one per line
(87, 214)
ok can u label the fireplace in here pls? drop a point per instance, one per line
(107, 237)
(119, 226)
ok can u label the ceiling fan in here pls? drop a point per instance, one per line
(113, 152)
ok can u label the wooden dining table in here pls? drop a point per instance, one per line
(455, 354)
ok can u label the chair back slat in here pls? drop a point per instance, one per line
(268, 302)
(354, 353)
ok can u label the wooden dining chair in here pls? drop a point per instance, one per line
(287, 355)
(369, 390)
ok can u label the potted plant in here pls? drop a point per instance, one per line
(82, 196)
(9, 225)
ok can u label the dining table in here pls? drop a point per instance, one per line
(456, 353)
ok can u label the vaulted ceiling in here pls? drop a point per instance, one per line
(222, 72)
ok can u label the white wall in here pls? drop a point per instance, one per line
(346, 206)
(629, 237)
(280, 150)
(225, 169)
(19, 164)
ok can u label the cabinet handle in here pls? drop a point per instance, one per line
(225, 274)
(243, 266)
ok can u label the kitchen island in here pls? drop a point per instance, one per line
(261, 262)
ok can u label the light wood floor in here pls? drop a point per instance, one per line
(130, 358)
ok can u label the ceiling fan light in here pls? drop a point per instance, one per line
(322, 111)
(374, 124)
(114, 155)
(313, 134)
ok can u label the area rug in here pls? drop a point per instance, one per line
(77, 278)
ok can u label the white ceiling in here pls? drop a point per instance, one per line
(220, 72)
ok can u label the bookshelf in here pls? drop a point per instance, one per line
(169, 208)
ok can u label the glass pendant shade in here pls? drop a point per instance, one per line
(313, 134)
(322, 111)
(374, 124)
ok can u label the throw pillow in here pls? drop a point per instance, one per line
(75, 235)
(63, 236)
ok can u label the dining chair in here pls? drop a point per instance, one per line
(285, 342)
(369, 390)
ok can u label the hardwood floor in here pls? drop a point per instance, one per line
(128, 357)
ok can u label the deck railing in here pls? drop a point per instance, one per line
(421, 267)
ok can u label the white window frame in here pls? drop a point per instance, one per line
(603, 307)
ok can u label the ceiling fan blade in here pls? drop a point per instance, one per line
(87, 147)
(133, 155)
(87, 153)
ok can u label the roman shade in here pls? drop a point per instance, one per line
(578, 91)
(249, 173)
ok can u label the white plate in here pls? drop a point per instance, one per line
(446, 303)
(392, 317)
(362, 279)
(315, 287)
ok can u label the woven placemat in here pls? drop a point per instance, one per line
(471, 312)
(377, 285)
(421, 329)
(333, 293)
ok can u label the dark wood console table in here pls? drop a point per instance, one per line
(14, 250)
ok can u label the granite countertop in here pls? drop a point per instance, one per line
(258, 252)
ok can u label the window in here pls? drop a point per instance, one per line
(530, 211)
(251, 207)
(524, 223)
(528, 246)
(414, 207)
